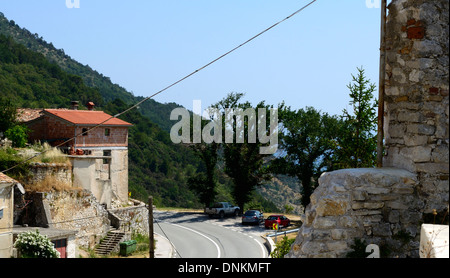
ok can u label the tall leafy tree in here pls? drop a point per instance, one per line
(8, 114)
(204, 183)
(358, 142)
(307, 142)
(244, 163)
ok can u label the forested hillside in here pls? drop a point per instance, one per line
(34, 74)
(157, 112)
(157, 166)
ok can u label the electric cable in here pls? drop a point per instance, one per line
(170, 86)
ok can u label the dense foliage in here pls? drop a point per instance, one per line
(35, 245)
(358, 141)
(28, 79)
(308, 141)
(156, 165)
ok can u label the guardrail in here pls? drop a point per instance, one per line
(270, 245)
(284, 232)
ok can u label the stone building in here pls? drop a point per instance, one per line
(385, 206)
(99, 156)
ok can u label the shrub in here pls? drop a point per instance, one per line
(34, 245)
(18, 135)
(282, 248)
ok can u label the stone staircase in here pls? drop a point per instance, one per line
(109, 243)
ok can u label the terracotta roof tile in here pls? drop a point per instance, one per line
(28, 114)
(86, 117)
(5, 179)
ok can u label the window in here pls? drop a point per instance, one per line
(1, 213)
(107, 132)
(106, 160)
(84, 131)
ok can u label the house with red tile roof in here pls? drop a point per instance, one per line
(96, 143)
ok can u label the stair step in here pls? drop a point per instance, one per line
(109, 242)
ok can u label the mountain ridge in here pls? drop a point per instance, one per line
(92, 78)
(157, 166)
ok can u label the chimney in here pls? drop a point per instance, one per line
(74, 105)
(90, 105)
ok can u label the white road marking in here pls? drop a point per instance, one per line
(217, 246)
(263, 248)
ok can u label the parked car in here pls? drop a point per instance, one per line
(252, 217)
(276, 218)
(221, 209)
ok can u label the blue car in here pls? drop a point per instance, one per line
(252, 217)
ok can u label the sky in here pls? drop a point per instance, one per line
(146, 45)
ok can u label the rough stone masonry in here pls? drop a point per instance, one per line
(417, 102)
(386, 206)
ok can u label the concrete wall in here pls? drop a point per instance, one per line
(6, 221)
(105, 176)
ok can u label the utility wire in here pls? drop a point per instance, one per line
(171, 85)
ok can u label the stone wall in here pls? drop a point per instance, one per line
(79, 210)
(75, 210)
(386, 206)
(417, 101)
(132, 219)
(61, 172)
(375, 205)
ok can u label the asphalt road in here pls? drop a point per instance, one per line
(194, 235)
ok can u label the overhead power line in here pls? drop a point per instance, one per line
(171, 85)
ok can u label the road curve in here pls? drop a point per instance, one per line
(198, 237)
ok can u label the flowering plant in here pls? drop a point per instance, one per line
(34, 245)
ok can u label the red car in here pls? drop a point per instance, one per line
(276, 218)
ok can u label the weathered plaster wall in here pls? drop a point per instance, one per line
(105, 176)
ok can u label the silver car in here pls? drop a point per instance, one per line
(252, 217)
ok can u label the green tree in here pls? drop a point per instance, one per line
(18, 135)
(204, 183)
(244, 163)
(307, 142)
(8, 114)
(358, 142)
